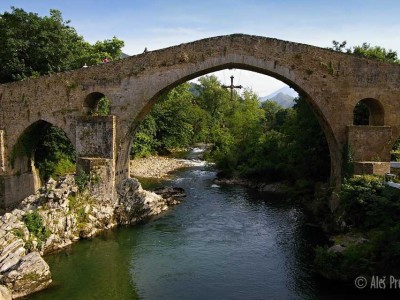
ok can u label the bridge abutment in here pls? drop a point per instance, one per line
(370, 148)
(96, 155)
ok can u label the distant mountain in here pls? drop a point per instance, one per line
(284, 96)
(283, 100)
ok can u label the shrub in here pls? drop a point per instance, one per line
(366, 203)
(34, 223)
(82, 180)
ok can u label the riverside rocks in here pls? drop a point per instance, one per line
(136, 204)
(62, 216)
(30, 275)
(5, 293)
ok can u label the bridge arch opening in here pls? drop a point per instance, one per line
(42, 151)
(97, 103)
(306, 103)
(369, 112)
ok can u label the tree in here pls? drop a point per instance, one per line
(376, 52)
(368, 51)
(34, 46)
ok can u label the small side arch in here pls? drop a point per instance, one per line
(97, 103)
(33, 145)
(369, 112)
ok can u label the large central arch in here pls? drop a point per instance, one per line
(173, 77)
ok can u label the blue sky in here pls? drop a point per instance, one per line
(158, 24)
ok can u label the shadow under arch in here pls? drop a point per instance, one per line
(26, 151)
(335, 152)
(369, 112)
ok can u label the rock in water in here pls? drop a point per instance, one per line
(30, 275)
(172, 195)
(136, 204)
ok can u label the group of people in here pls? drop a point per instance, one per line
(105, 60)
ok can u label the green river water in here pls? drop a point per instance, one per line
(221, 242)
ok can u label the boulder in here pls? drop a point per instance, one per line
(5, 293)
(30, 275)
(135, 204)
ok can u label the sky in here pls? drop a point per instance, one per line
(157, 24)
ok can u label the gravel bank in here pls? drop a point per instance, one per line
(156, 166)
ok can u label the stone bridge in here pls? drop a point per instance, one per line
(333, 83)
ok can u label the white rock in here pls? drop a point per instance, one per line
(5, 293)
(32, 274)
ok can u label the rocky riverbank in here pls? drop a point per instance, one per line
(55, 217)
(156, 166)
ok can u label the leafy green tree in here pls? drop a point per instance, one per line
(144, 143)
(376, 52)
(54, 155)
(368, 51)
(212, 97)
(34, 46)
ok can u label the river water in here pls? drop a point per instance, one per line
(221, 242)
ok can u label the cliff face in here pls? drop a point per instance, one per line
(55, 217)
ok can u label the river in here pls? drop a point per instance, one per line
(221, 242)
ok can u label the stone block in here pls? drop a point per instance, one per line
(14, 188)
(95, 136)
(371, 167)
(102, 177)
(370, 143)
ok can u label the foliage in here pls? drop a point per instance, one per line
(376, 52)
(34, 46)
(82, 180)
(368, 51)
(263, 141)
(102, 107)
(51, 150)
(368, 204)
(144, 142)
(370, 209)
(352, 262)
(34, 223)
(54, 155)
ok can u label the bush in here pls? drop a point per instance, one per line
(366, 203)
(34, 223)
(82, 180)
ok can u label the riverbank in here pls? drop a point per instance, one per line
(156, 166)
(57, 216)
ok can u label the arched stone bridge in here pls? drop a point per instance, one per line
(333, 82)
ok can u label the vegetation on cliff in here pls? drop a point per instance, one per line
(369, 240)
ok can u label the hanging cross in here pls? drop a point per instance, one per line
(232, 87)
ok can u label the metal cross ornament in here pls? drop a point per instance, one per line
(232, 87)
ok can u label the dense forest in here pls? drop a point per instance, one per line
(248, 138)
